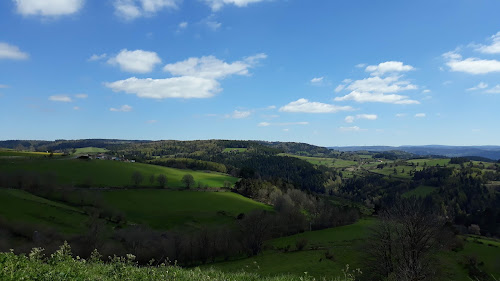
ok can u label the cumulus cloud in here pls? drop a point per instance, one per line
(305, 106)
(137, 61)
(61, 98)
(388, 67)
(96, 57)
(494, 90)
(377, 89)
(472, 65)
(363, 97)
(420, 115)
(350, 119)
(123, 108)
(198, 78)
(48, 8)
(213, 68)
(132, 9)
(186, 87)
(218, 4)
(479, 86)
(11, 52)
(493, 48)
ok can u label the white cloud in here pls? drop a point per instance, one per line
(239, 114)
(351, 129)
(177, 87)
(494, 90)
(137, 61)
(375, 89)
(76, 108)
(266, 124)
(3, 86)
(339, 88)
(494, 48)
(376, 84)
(151, 121)
(132, 9)
(213, 68)
(426, 91)
(48, 7)
(420, 115)
(388, 67)
(470, 65)
(96, 57)
(218, 4)
(376, 97)
(123, 108)
(317, 81)
(286, 130)
(350, 119)
(305, 106)
(399, 115)
(183, 25)
(479, 86)
(271, 107)
(61, 98)
(198, 78)
(360, 65)
(11, 52)
(81, 96)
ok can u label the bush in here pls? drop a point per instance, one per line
(301, 243)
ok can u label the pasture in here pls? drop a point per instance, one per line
(91, 150)
(107, 173)
(20, 206)
(163, 209)
(329, 162)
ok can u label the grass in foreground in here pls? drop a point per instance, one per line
(163, 209)
(107, 173)
(62, 266)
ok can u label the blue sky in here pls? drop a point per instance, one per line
(331, 73)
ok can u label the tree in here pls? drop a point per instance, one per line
(404, 242)
(152, 179)
(162, 180)
(137, 178)
(188, 181)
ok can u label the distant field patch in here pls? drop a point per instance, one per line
(421, 192)
(84, 150)
(107, 173)
(163, 209)
(329, 162)
(14, 153)
(430, 162)
(236, 149)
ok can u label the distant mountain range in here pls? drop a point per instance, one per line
(487, 151)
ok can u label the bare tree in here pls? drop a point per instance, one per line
(137, 178)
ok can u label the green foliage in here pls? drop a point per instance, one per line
(62, 266)
(188, 181)
(106, 173)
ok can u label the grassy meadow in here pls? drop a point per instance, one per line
(107, 173)
(163, 209)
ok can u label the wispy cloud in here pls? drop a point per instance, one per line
(479, 86)
(267, 124)
(239, 114)
(350, 119)
(12, 52)
(305, 106)
(60, 98)
(493, 48)
(218, 4)
(123, 108)
(351, 129)
(420, 115)
(132, 9)
(96, 57)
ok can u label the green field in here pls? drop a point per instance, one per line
(235, 149)
(329, 162)
(164, 209)
(14, 153)
(20, 206)
(344, 242)
(421, 191)
(107, 173)
(90, 150)
(430, 162)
